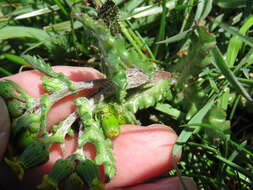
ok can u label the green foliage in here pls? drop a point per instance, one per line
(95, 135)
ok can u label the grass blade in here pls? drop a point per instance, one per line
(239, 147)
(237, 152)
(235, 43)
(223, 101)
(66, 25)
(236, 167)
(161, 34)
(245, 62)
(234, 106)
(168, 109)
(131, 5)
(62, 6)
(175, 38)
(208, 8)
(150, 10)
(10, 32)
(231, 3)
(187, 13)
(15, 59)
(36, 12)
(245, 39)
(221, 64)
(5, 72)
(188, 131)
(200, 8)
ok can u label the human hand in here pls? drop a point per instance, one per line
(141, 153)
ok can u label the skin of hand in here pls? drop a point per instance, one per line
(141, 153)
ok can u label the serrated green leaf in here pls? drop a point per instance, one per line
(175, 38)
(40, 64)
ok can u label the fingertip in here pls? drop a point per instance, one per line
(143, 152)
(173, 139)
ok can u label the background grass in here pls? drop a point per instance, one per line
(205, 44)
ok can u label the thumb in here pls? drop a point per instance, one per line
(4, 127)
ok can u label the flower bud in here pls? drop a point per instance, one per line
(109, 122)
(61, 170)
(34, 155)
(110, 126)
(89, 173)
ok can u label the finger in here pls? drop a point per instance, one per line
(173, 183)
(4, 128)
(31, 83)
(141, 153)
